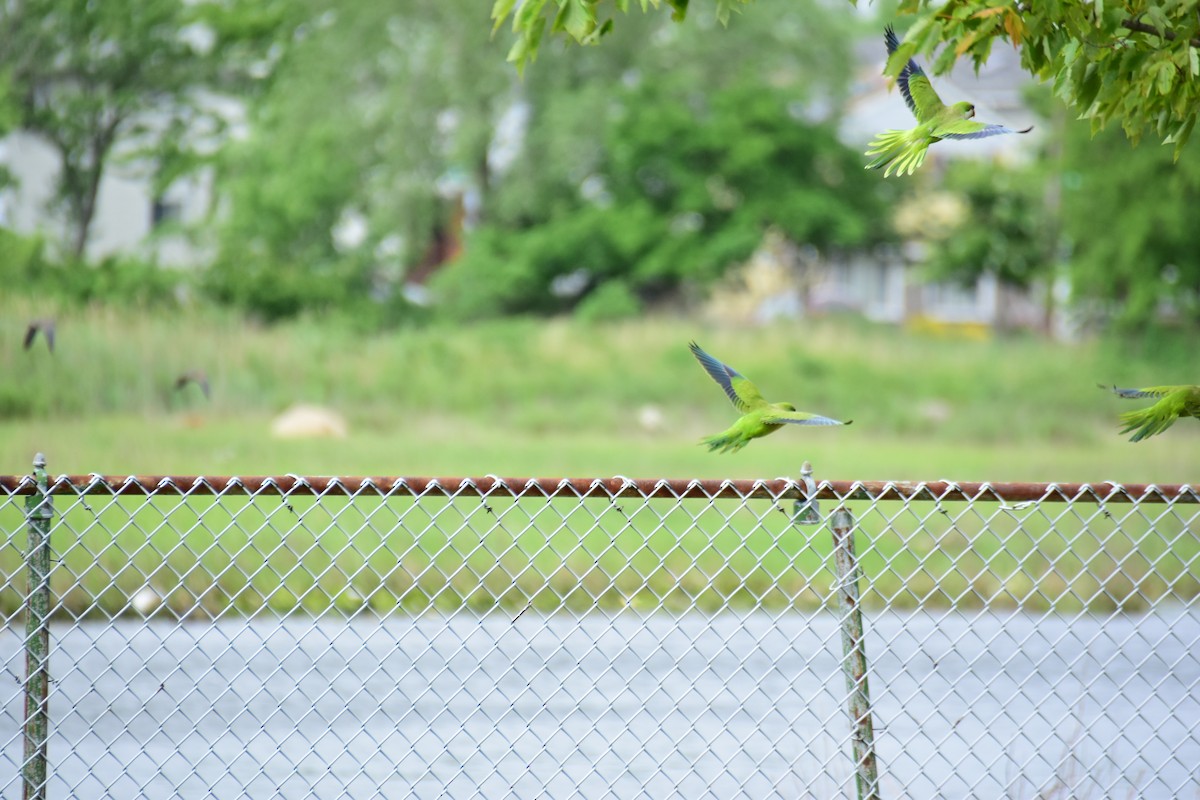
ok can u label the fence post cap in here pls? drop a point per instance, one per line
(39, 461)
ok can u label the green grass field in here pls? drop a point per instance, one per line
(523, 398)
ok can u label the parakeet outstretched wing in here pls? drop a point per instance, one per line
(742, 393)
(914, 84)
(43, 326)
(1149, 391)
(800, 418)
(970, 129)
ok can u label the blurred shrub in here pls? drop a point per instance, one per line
(27, 268)
(612, 300)
(685, 186)
(16, 401)
(22, 259)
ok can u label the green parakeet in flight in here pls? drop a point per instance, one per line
(758, 416)
(904, 151)
(1174, 402)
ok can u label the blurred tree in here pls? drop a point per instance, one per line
(685, 184)
(1003, 228)
(423, 129)
(1136, 62)
(376, 129)
(996, 220)
(91, 77)
(1129, 217)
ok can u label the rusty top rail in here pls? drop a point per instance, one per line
(492, 485)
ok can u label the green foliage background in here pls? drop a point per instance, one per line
(642, 170)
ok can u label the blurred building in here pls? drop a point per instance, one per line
(130, 218)
(783, 281)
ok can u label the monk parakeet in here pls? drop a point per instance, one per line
(196, 376)
(43, 326)
(1174, 402)
(904, 151)
(758, 416)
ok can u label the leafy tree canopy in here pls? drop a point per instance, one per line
(1128, 215)
(1134, 61)
(686, 185)
(374, 113)
(1131, 253)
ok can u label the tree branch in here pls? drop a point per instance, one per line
(1142, 27)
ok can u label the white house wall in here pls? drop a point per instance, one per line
(124, 205)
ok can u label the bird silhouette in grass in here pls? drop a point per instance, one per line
(43, 326)
(1173, 402)
(759, 417)
(195, 376)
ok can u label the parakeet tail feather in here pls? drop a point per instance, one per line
(723, 443)
(898, 152)
(1144, 422)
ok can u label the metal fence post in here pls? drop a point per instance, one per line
(39, 510)
(854, 663)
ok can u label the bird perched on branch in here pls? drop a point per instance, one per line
(758, 416)
(1174, 402)
(904, 151)
(42, 326)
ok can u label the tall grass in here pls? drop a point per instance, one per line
(521, 397)
(559, 376)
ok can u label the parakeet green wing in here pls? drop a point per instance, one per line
(742, 393)
(1149, 391)
(800, 418)
(918, 92)
(970, 129)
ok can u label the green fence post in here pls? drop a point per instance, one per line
(39, 511)
(854, 663)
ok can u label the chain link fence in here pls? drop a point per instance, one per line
(486, 637)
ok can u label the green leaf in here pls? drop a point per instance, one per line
(1156, 17)
(501, 10)
(680, 9)
(1166, 76)
(1070, 52)
(1087, 90)
(527, 13)
(577, 18)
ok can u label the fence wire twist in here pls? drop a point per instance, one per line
(488, 637)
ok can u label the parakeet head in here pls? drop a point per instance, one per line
(964, 109)
(786, 406)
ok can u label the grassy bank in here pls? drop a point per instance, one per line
(563, 378)
(530, 398)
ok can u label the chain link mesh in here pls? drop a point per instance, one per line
(292, 637)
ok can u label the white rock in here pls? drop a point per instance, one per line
(304, 421)
(145, 601)
(651, 418)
